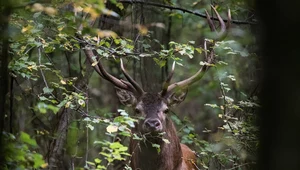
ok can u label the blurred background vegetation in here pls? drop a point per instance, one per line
(60, 114)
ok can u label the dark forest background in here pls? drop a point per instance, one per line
(56, 112)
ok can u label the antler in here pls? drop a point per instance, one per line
(131, 86)
(130, 79)
(167, 82)
(209, 59)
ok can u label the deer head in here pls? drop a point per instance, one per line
(152, 107)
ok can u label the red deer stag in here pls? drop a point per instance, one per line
(153, 107)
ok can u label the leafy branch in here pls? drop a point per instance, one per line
(183, 10)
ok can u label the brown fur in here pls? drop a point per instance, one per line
(172, 156)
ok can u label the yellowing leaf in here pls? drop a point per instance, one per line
(62, 82)
(92, 11)
(24, 29)
(50, 11)
(45, 165)
(166, 141)
(111, 128)
(68, 104)
(106, 33)
(37, 7)
(78, 9)
(94, 63)
(142, 29)
(29, 68)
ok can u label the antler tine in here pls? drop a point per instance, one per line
(209, 57)
(122, 84)
(139, 90)
(210, 23)
(89, 54)
(222, 23)
(229, 19)
(167, 82)
(192, 79)
(104, 74)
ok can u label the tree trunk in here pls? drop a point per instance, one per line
(4, 60)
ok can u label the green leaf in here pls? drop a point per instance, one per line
(154, 145)
(199, 50)
(98, 161)
(90, 126)
(115, 145)
(120, 5)
(192, 42)
(81, 102)
(212, 105)
(47, 90)
(36, 15)
(90, 163)
(42, 98)
(122, 112)
(38, 160)
(136, 137)
(24, 137)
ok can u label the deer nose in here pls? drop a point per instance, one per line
(153, 124)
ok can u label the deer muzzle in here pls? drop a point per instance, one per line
(152, 125)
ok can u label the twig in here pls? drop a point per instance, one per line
(40, 63)
(183, 10)
(87, 144)
(225, 103)
(87, 130)
(105, 48)
(241, 165)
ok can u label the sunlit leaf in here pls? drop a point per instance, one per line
(90, 126)
(166, 141)
(143, 30)
(81, 102)
(37, 7)
(157, 147)
(111, 128)
(50, 11)
(63, 82)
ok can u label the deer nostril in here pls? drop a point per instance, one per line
(152, 123)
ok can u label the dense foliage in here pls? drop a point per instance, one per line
(63, 115)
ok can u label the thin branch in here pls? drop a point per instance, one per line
(112, 52)
(183, 10)
(238, 166)
(87, 129)
(225, 105)
(87, 141)
(40, 63)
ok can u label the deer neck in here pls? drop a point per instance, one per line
(167, 157)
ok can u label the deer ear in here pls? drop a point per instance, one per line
(176, 97)
(125, 97)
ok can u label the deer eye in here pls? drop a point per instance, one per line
(137, 111)
(166, 111)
